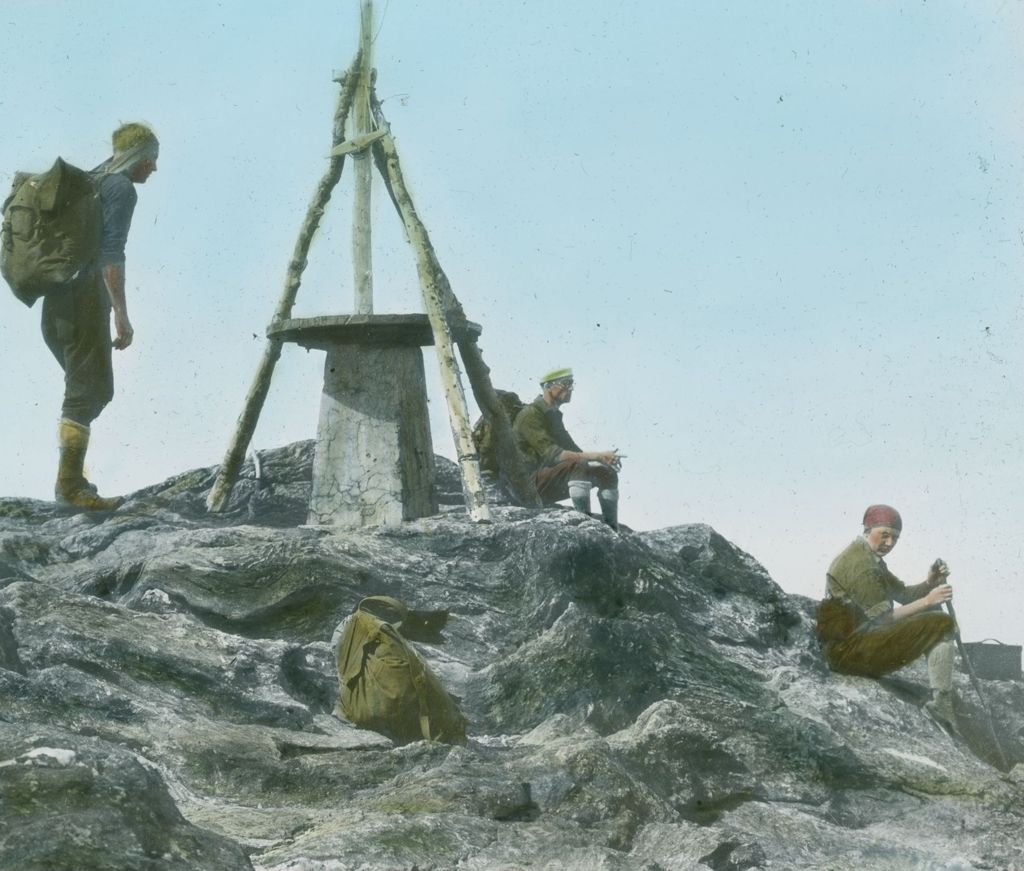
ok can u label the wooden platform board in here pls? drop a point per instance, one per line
(382, 331)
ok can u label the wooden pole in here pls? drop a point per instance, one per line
(510, 462)
(218, 497)
(1000, 755)
(362, 258)
(434, 299)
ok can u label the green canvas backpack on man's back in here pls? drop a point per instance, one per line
(483, 432)
(52, 230)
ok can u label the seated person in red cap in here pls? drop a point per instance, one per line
(560, 467)
(864, 634)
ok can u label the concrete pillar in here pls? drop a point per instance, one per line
(374, 459)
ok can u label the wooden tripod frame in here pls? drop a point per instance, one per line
(442, 307)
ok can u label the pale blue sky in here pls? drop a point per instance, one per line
(781, 244)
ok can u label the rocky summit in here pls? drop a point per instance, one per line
(638, 701)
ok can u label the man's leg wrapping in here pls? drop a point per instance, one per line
(579, 493)
(940, 675)
(71, 487)
(609, 499)
(606, 480)
(940, 666)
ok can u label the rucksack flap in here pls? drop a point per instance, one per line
(51, 232)
(425, 626)
(413, 625)
(483, 434)
(385, 684)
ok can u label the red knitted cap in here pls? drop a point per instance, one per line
(882, 515)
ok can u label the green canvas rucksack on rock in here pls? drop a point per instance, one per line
(52, 229)
(385, 684)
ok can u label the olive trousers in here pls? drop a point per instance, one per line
(76, 329)
(553, 481)
(878, 651)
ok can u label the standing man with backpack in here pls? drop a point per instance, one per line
(560, 467)
(76, 320)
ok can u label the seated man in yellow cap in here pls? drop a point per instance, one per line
(864, 634)
(560, 467)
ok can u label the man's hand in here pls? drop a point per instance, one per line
(610, 458)
(938, 572)
(125, 333)
(113, 278)
(939, 594)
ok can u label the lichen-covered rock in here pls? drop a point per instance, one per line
(71, 801)
(638, 701)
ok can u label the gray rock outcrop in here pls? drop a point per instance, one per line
(638, 702)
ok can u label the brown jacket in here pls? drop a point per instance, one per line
(541, 436)
(858, 576)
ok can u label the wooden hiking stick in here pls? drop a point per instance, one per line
(977, 689)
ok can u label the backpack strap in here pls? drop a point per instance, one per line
(419, 683)
(417, 673)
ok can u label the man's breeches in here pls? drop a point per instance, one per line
(76, 329)
(887, 648)
(553, 482)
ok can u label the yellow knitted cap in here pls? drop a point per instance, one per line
(555, 375)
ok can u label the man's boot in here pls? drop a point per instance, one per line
(579, 493)
(608, 497)
(942, 709)
(71, 488)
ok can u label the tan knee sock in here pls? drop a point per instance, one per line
(940, 666)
